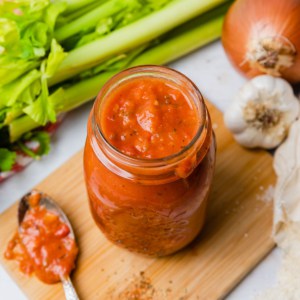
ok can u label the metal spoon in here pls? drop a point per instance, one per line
(51, 205)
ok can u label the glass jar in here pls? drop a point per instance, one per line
(150, 206)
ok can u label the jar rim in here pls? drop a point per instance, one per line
(140, 71)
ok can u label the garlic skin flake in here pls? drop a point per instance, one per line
(286, 221)
(262, 112)
(287, 190)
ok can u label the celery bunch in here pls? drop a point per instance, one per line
(55, 55)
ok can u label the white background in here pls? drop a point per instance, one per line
(218, 81)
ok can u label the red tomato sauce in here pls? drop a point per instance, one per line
(43, 245)
(149, 118)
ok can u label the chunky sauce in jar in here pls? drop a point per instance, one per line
(43, 245)
(149, 160)
(149, 118)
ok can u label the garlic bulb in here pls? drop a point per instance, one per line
(262, 112)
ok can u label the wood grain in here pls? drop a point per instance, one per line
(235, 238)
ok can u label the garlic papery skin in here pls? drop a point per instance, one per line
(262, 112)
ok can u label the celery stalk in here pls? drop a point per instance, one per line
(79, 93)
(78, 13)
(20, 126)
(180, 41)
(194, 34)
(77, 4)
(130, 36)
(89, 19)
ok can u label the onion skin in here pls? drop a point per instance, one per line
(252, 20)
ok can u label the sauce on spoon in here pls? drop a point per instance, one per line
(44, 244)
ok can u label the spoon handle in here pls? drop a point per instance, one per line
(69, 289)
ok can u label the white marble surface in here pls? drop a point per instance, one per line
(218, 81)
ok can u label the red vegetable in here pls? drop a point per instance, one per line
(263, 36)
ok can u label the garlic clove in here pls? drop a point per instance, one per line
(265, 84)
(234, 119)
(247, 93)
(251, 138)
(248, 138)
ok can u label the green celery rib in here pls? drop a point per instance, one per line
(20, 126)
(89, 19)
(80, 93)
(130, 36)
(179, 42)
(69, 17)
(196, 33)
(73, 5)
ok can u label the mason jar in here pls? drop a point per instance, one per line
(150, 205)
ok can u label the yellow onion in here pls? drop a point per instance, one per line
(263, 36)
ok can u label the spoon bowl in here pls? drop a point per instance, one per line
(49, 204)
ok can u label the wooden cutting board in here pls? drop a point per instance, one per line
(235, 238)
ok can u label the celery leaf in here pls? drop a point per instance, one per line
(7, 159)
(55, 58)
(43, 139)
(11, 92)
